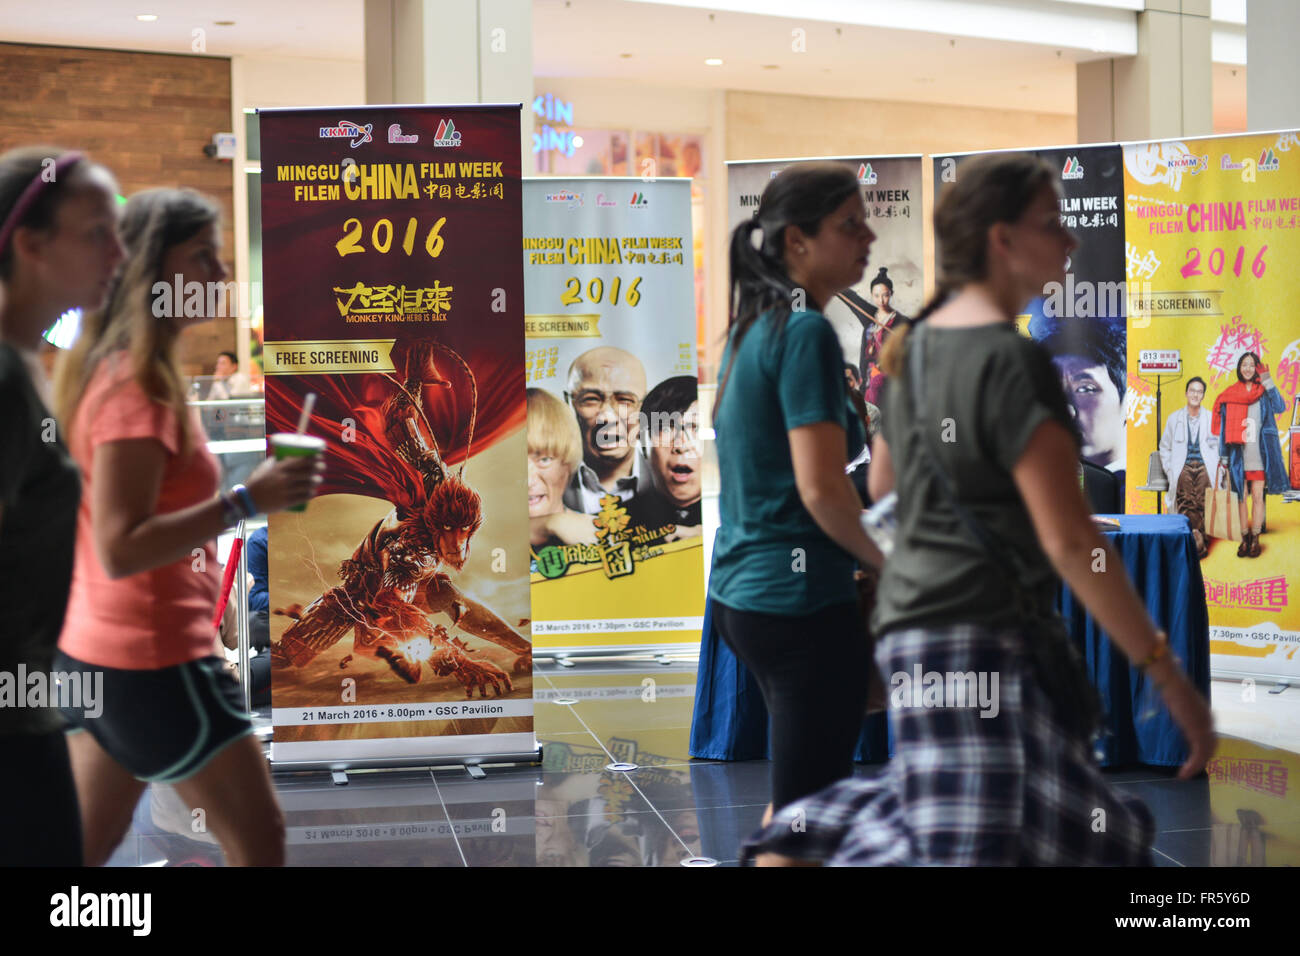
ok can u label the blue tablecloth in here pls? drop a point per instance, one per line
(730, 720)
(1160, 557)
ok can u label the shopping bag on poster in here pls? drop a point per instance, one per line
(1222, 519)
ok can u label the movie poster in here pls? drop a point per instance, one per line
(1213, 228)
(400, 622)
(1081, 322)
(614, 484)
(893, 286)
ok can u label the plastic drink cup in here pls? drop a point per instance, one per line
(291, 445)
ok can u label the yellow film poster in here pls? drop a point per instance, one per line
(614, 478)
(1212, 242)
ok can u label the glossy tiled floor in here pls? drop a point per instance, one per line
(572, 812)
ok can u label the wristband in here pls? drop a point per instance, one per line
(230, 511)
(245, 499)
(1159, 653)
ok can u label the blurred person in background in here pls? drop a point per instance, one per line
(146, 577)
(227, 380)
(58, 250)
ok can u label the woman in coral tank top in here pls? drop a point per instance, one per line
(146, 577)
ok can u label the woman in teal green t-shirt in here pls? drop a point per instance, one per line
(783, 559)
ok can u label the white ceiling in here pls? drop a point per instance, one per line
(668, 45)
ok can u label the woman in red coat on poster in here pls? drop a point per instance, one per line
(1243, 418)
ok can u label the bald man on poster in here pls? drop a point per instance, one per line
(605, 390)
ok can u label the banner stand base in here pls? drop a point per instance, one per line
(651, 653)
(405, 763)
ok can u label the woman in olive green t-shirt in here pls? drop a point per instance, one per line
(990, 767)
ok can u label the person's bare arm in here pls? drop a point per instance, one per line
(880, 476)
(129, 536)
(1048, 483)
(817, 452)
(127, 477)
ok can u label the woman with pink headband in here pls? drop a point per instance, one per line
(58, 251)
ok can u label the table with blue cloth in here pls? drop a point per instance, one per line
(730, 720)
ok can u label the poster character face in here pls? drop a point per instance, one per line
(881, 294)
(1195, 393)
(606, 388)
(1097, 407)
(547, 478)
(675, 457)
(554, 451)
(1246, 366)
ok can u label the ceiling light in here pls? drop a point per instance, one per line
(713, 61)
(146, 17)
(577, 142)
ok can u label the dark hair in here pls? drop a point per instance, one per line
(1192, 381)
(1242, 378)
(670, 398)
(18, 169)
(882, 278)
(989, 189)
(234, 359)
(674, 394)
(801, 195)
(1100, 341)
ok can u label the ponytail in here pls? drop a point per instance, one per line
(801, 195)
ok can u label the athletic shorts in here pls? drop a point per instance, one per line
(162, 725)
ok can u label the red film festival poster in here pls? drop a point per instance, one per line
(1212, 237)
(393, 288)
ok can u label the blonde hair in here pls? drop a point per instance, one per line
(552, 429)
(154, 221)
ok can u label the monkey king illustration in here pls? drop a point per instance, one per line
(383, 437)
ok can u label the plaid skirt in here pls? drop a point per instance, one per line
(982, 773)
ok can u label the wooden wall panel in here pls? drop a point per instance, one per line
(146, 116)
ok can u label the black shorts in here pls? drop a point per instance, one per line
(162, 725)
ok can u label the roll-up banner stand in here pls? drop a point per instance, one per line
(1213, 245)
(1209, 250)
(400, 625)
(613, 457)
(893, 286)
(1081, 322)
